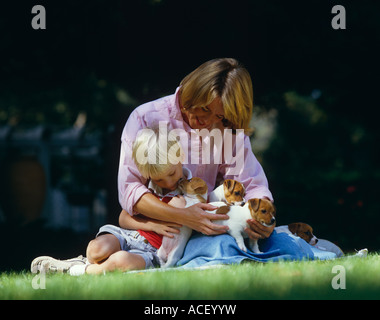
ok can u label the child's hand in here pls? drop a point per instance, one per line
(165, 228)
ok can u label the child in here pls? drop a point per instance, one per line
(135, 247)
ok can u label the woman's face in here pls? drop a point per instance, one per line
(205, 117)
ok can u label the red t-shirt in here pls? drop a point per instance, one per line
(154, 238)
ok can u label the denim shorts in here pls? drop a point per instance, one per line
(133, 242)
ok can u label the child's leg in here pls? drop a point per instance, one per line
(102, 247)
(120, 260)
(107, 253)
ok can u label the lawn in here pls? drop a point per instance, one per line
(280, 280)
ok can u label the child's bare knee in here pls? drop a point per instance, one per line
(101, 248)
(94, 250)
(123, 260)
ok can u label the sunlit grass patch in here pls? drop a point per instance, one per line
(280, 280)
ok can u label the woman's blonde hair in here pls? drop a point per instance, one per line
(154, 154)
(227, 79)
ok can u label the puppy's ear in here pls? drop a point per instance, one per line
(229, 184)
(242, 186)
(195, 183)
(198, 185)
(293, 227)
(201, 189)
(201, 199)
(254, 204)
(274, 210)
(223, 210)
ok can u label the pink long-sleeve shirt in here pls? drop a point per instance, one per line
(225, 156)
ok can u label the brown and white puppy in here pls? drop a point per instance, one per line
(299, 229)
(231, 192)
(262, 210)
(194, 191)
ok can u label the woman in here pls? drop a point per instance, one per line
(217, 95)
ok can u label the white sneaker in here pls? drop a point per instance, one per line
(77, 270)
(49, 264)
(362, 253)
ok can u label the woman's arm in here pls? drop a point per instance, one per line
(194, 216)
(140, 222)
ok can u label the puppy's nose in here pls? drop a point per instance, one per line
(273, 220)
(242, 203)
(316, 240)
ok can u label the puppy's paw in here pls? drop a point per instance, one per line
(254, 246)
(242, 247)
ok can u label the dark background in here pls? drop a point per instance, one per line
(103, 58)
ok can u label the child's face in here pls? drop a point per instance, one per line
(169, 179)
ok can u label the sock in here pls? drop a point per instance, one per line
(78, 270)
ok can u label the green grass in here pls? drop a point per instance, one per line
(282, 280)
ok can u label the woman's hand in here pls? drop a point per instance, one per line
(257, 231)
(194, 216)
(197, 219)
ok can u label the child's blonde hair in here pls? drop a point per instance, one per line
(227, 79)
(154, 154)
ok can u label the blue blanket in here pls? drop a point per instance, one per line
(222, 249)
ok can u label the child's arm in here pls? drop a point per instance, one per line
(126, 221)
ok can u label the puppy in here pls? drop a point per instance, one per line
(261, 210)
(231, 192)
(300, 229)
(194, 191)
